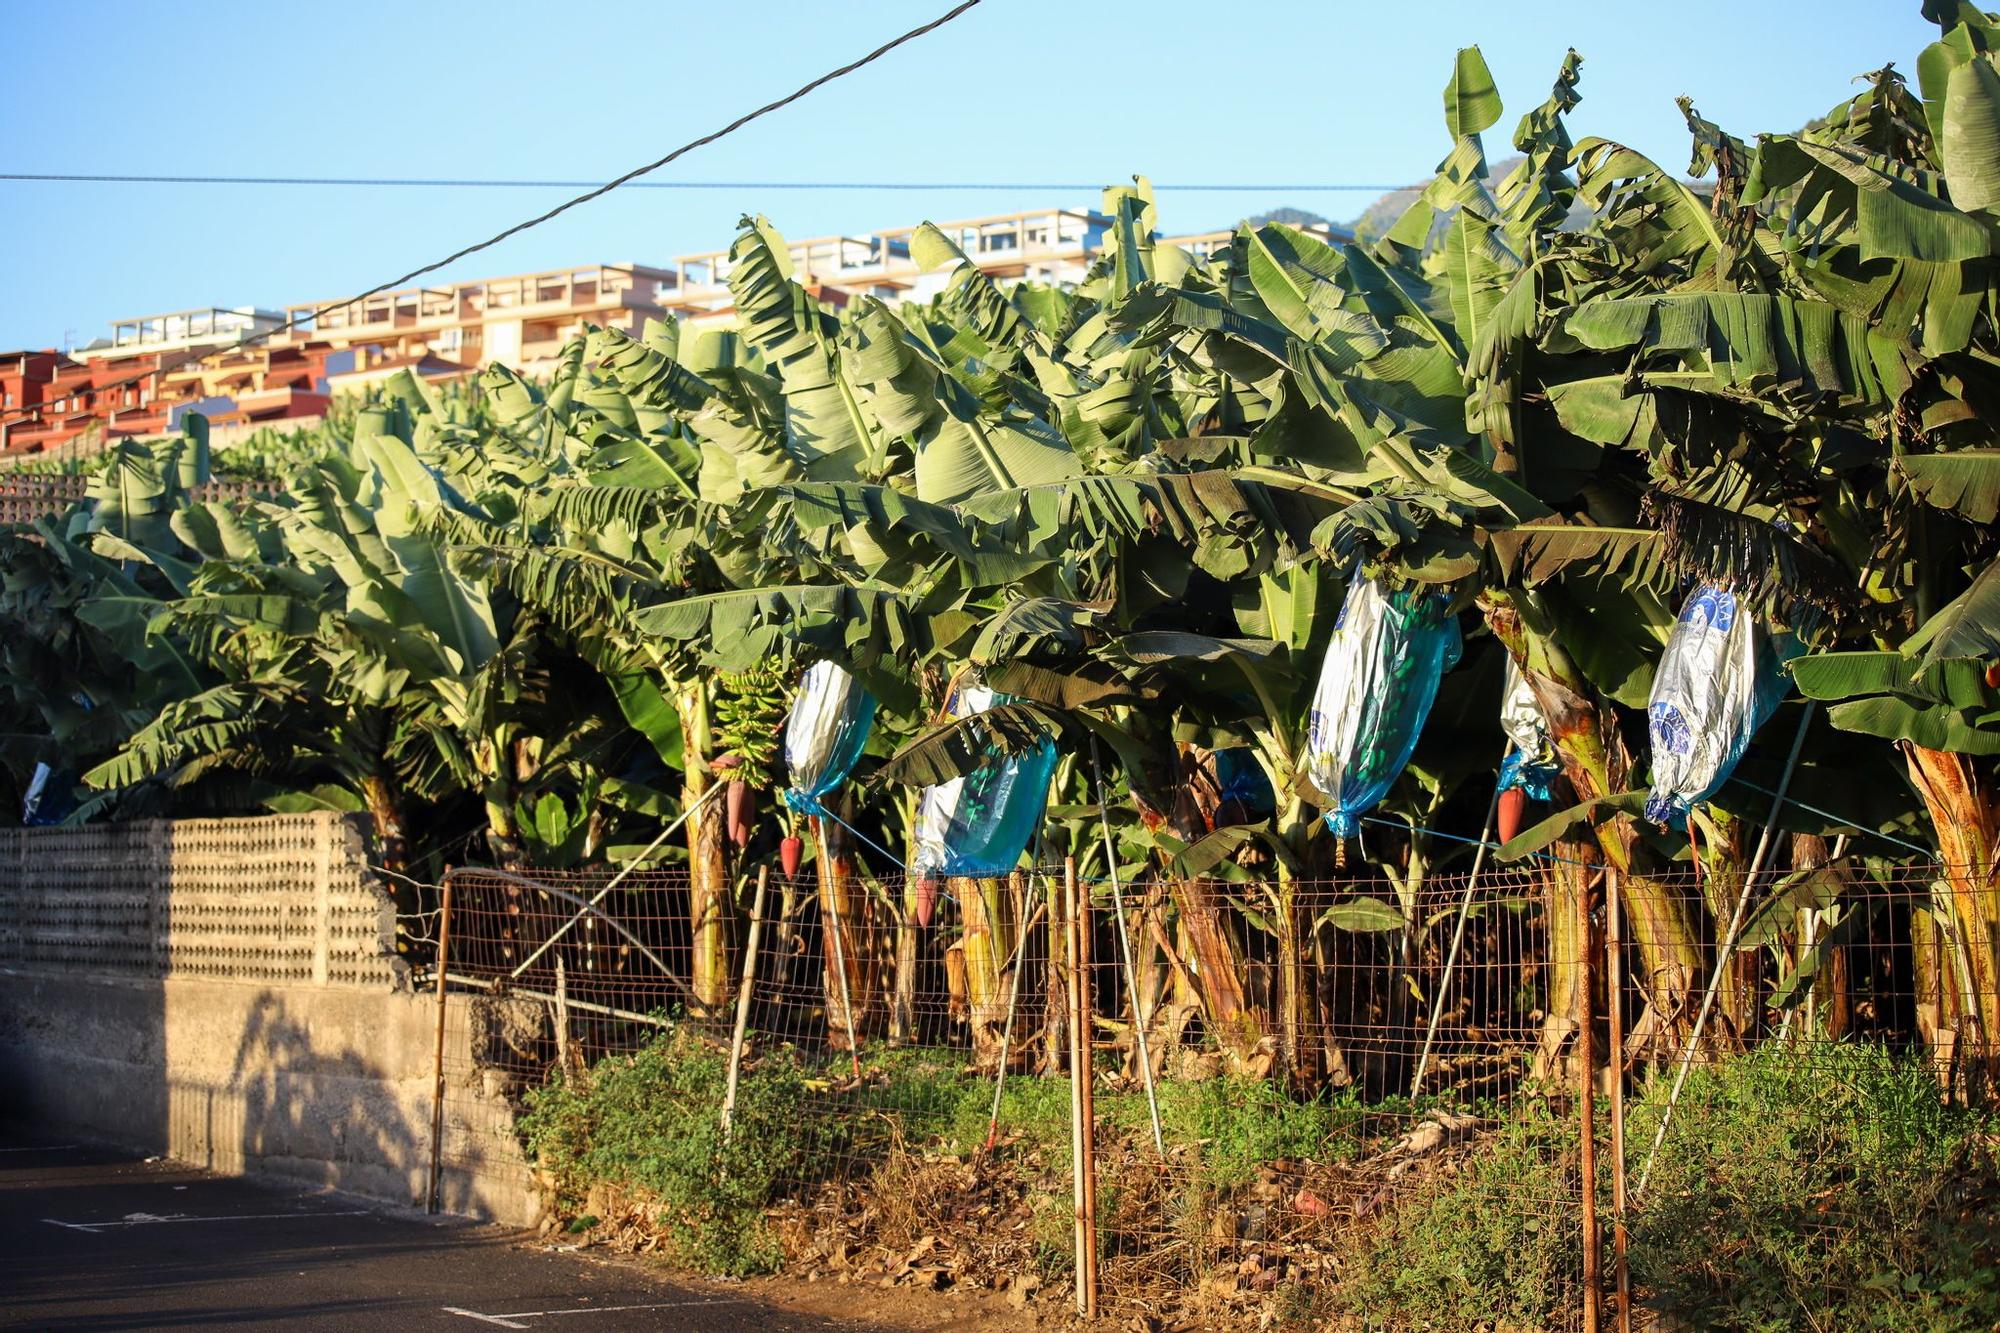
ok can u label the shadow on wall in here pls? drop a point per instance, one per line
(310, 1104)
(226, 992)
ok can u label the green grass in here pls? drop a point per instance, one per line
(1833, 1192)
(649, 1122)
(1830, 1192)
(1237, 1123)
(1836, 1192)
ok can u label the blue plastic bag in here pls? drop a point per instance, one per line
(825, 734)
(1241, 781)
(48, 799)
(1721, 677)
(978, 825)
(1376, 687)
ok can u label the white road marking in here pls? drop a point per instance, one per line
(153, 1219)
(485, 1318)
(509, 1320)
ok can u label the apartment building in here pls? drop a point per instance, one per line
(520, 321)
(247, 366)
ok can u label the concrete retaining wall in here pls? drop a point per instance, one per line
(283, 1069)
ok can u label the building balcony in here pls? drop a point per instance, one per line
(595, 287)
(181, 330)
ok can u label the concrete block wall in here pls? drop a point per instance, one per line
(246, 1038)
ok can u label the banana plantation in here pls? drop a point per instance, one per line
(1272, 561)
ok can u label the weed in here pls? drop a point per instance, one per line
(1488, 1246)
(1831, 1194)
(650, 1121)
(1839, 1192)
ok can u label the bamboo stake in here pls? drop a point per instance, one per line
(432, 1201)
(1086, 1042)
(584, 907)
(1728, 947)
(830, 879)
(1125, 949)
(1614, 952)
(1458, 931)
(1586, 1063)
(1007, 1032)
(1084, 1156)
(581, 1006)
(618, 878)
(1075, 1089)
(743, 998)
(561, 1007)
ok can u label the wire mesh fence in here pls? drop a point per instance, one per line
(25, 498)
(1277, 1070)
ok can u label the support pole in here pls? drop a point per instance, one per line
(1586, 1110)
(561, 1015)
(1083, 1155)
(743, 999)
(1125, 949)
(432, 1197)
(617, 879)
(1614, 981)
(1007, 1032)
(1077, 1240)
(1458, 931)
(1722, 956)
(830, 881)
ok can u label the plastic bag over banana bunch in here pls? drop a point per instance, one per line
(1530, 766)
(824, 736)
(977, 826)
(1376, 687)
(1720, 678)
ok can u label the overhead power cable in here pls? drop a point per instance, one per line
(477, 183)
(803, 90)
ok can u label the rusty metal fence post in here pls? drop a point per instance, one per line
(1586, 1108)
(1083, 1149)
(1614, 984)
(432, 1200)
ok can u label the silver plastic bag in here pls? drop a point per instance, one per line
(1532, 763)
(1376, 687)
(1720, 678)
(825, 734)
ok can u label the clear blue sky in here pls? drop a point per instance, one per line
(1083, 90)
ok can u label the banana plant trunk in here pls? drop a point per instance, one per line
(1297, 1058)
(903, 988)
(708, 870)
(385, 819)
(1563, 882)
(853, 1010)
(1596, 764)
(1966, 818)
(1724, 869)
(1214, 958)
(502, 836)
(1212, 953)
(988, 916)
(1055, 987)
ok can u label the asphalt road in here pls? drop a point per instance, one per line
(92, 1238)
